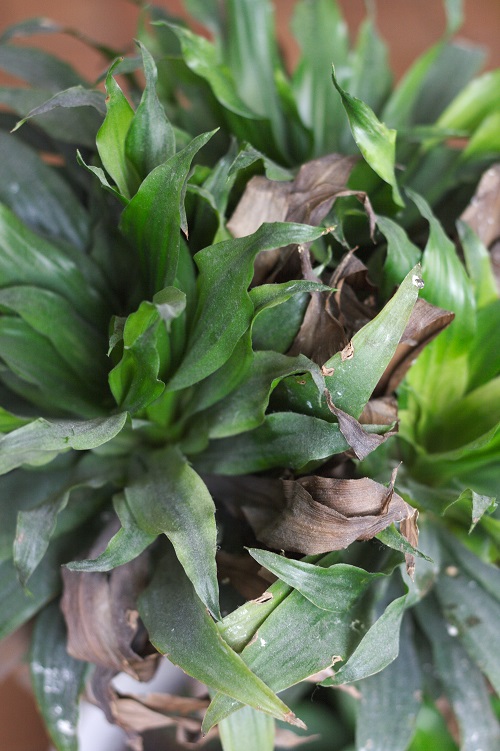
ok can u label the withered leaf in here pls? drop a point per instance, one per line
(382, 410)
(312, 514)
(409, 530)
(102, 618)
(483, 212)
(242, 572)
(426, 322)
(307, 199)
(361, 442)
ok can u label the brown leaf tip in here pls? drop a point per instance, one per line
(294, 720)
(347, 353)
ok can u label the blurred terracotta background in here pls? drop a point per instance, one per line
(409, 26)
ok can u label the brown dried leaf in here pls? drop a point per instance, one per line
(102, 618)
(426, 322)
(288, 739)
(409, 530)
(380, 411)
(243, 572)
(307, 199)
(362, 443)
(483, 212)
(320, 335)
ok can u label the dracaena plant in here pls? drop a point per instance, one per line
(199, 374)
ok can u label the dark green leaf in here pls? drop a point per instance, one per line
(402, 254)
(322, 34)
(150, 139)
(39, 196)
(245, 407)
(42, 439)
(57, 678)
(166, 607)
(225, 309)
(171, 499)
(153, 217)
(284, 439)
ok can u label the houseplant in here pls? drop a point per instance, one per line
(166, 354)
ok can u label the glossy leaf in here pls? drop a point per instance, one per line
(110, 139)
(226, 271)
(42, 439)
(57, 678)
(168, 604)
(152, 219)
(376, 142)
(150, 140)
(38, 195)
(171, 499)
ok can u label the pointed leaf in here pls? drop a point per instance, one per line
(150, 139)
(154, 216)
(376, 142)
(168, 604)
(171, 499)
(110, 139)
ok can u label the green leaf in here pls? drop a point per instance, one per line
(57, 678)
(152, 219)
(479, 265)
(111, 137)
(267, 296)
(391, 537)
(402, 254)
(128, 543)
(17, 606)
(10, 422)
(52, 316)
(275, 327)
(474, 103)
(167, 605)
(27, 258)
(322, 34)
(38, 195)
(42, 439)
(225, 309)
(150, 140)
(247, 730)
(376, 142)
(483, 360)
(171, 499)
(67, 126)
(354, 379)
(284, 439)
(313, 640)
(390, 700)
(371, 77)
(36, 526)
(335, 588)
(244, 408)
(376, 650)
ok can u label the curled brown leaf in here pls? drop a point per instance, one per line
(361, 442)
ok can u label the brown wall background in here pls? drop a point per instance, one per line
(409, 26)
